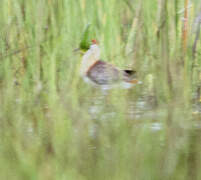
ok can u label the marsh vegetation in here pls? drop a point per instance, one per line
(55, 126)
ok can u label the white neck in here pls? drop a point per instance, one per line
(89, 58)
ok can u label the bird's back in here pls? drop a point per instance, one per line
(103, 73)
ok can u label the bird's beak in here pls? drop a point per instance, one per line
(76, 50)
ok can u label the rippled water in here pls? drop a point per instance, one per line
(146, 132)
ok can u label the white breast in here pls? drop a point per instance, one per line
(89, 58)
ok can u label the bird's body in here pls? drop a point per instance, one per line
(101, 73)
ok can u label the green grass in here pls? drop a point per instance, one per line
(54, 126)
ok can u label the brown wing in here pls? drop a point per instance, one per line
(103, 73)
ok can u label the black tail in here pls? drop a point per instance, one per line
(129, 75)
(129, 72)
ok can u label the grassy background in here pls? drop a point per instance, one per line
(54, 126)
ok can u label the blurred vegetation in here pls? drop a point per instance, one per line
(54, 126)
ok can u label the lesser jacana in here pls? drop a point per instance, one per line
(101, 73)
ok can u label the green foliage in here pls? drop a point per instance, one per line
(55, 126)
(85, 41)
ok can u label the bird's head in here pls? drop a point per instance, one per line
(94, 49)
(94, 41)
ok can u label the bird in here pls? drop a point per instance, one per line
(103, 74)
